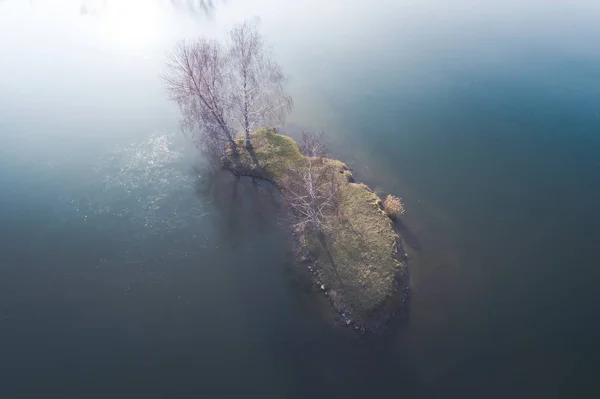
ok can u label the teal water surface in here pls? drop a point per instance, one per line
(128, 270)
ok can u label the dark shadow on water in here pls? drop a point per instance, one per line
(203, 185)
(243, 205)
(408, 237)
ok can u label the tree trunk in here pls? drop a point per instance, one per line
(234, 150)
(246, 120)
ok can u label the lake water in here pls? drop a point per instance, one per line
(126, 270)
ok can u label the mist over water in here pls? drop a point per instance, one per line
(128, 270)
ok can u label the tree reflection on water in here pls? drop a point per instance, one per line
(98, 7)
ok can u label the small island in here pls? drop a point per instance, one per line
(341, 230)
(357, 260)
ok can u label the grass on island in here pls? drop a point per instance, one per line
(356, 258)
(276, 153)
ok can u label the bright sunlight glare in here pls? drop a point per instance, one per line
(131, 22)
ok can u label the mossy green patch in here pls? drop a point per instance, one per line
(276, 153)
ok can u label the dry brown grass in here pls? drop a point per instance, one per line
(393, 206)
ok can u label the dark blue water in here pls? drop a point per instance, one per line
(127, 269)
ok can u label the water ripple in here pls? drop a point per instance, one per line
(140, 190)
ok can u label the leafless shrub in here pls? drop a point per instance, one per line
(313, 145)
(393, 206)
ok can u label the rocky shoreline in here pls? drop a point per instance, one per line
(376, 323)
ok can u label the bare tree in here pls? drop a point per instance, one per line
(197, 81)
(257, 81)
(224, 90)
(311, 190)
